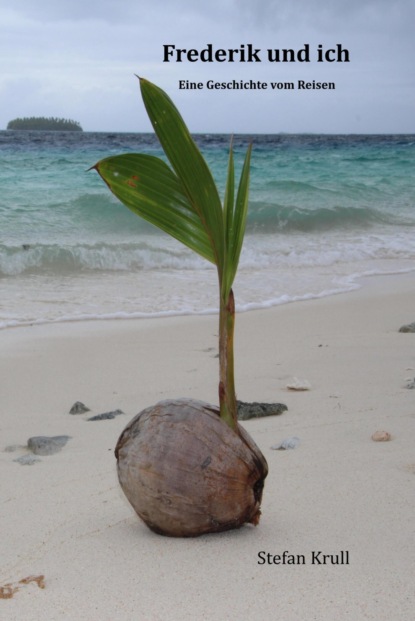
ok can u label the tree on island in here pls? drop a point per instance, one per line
(45, 124)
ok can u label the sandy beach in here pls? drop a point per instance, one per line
(65, 517)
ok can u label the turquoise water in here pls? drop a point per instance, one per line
(324, 210)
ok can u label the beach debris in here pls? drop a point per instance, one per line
(106, 415)
(381, 436)
(258, 410)
(79, 408)
(44, 445)
(289, 443)
(410, 383)
(27, 460)
(299, 384)
(409, 327)
(8, 590)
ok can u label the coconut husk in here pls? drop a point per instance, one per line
(186, 472)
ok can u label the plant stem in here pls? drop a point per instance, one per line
(227, 396)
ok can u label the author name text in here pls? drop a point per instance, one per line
(316, 557)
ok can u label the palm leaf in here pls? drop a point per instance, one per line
(235, 213)
(188, 164)
(239, 217)
(147, 186)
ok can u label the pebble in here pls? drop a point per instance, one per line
(258, 410)
(299, 384)
(79, 408)
(409, 327)
(106, 415)
(44, 445)
(381, 436)
(410, 383)
(289, 443)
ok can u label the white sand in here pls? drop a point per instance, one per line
(66, 518)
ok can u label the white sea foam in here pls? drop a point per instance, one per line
(38, 300)
(157, 277)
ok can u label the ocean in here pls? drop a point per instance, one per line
(324, 211)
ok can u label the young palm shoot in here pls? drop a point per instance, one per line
(156, 449)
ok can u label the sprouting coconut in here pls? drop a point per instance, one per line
(188, 467)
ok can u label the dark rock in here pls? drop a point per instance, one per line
(79, 408)
(410, 327)
(258, 410)
(106, 415)
(43, 445)
(410, 384)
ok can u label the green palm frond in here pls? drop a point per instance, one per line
(182, 200)
(187, 162)
(147, 186)
(235, 213)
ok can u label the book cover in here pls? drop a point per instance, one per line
(102, 314)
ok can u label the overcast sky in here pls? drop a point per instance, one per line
(77, 59)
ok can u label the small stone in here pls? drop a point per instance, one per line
(299, 384)
(289, 443)
(79, 408)
(106, 415)
(381, 436)
(27, 460)
(410, 383)
(410, 327)
(258, 410)
(43, 445)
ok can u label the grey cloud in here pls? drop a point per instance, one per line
(73, 10)
(271, 14)
(118, 11)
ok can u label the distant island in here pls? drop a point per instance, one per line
(43, 124)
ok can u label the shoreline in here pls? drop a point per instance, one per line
(356, 282)
(337, 495)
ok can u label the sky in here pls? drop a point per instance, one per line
(78, 60)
